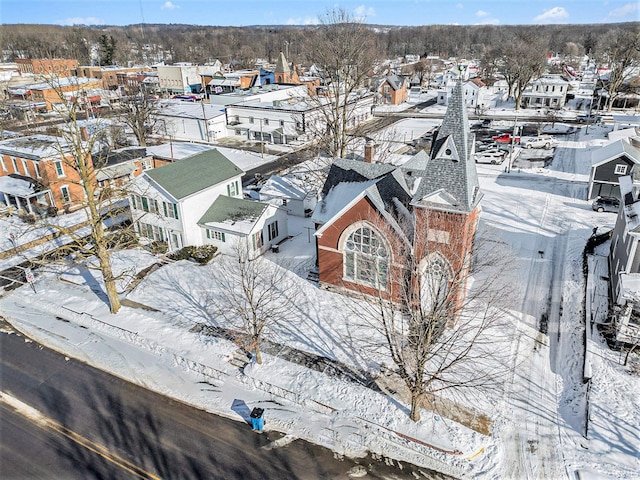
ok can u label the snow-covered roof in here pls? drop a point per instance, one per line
(17, 186)
(284, 187)
(233, 214)
(615, 149)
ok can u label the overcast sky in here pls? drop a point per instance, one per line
(301, 12)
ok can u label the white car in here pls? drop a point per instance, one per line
(540, 142)
(490, 156)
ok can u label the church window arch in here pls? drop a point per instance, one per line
(366, 256)
(435, 283)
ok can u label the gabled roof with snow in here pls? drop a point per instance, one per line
(395, 81)
(451, 167)
(194, 174)
(345, 170)
(614, 150)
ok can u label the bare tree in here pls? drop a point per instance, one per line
(343, 52)
(439, 333)
(252, 294)
(523, 60)
(620, 51)
(80, 151)
(138, 112)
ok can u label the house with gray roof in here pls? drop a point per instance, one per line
(612, 161)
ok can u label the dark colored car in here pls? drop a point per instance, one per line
(606, 204)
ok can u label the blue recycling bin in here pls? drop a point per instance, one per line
(257, 419)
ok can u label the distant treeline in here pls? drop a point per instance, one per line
(145, 43)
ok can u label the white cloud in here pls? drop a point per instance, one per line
(363, 12)
(623, 11)
(459, 6)
(481, 13)
(83, 21)
(552, 15)
(169, 6)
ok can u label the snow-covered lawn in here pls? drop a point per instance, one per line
(538, 411)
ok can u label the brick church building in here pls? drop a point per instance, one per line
(376, 223)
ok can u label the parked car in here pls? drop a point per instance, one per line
(606, 204)
(506, 138)
(494, 156)
(540, 142)
(486, 123)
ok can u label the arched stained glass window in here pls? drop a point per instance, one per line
(435, 284)
(366, 259)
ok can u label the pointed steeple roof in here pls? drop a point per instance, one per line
(451, 167)
(282, 66)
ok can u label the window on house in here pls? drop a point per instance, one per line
(282, 123)
(366, 259)
(59, 168)
(145, 203)
(215, 235)
(134, 205)
(24, 167)
(620, 170)
(236, 119)
(273, 230)
(4, 165)
(266, 121)
(232, 189)
(37, 169)
(250, 119)
(284, 202)
(257, 240)
(64, 191)
(15, 165)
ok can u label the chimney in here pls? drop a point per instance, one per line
(369, 150)
(83, 134)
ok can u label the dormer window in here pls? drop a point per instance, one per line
(448, 151)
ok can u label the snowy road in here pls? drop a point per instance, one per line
(544, 353)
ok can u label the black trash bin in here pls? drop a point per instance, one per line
(257, 420)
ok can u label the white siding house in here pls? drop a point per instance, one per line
(231, 220)
(167, 202)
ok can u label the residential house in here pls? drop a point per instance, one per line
(42, 161)
(119, 167)
(474, 91)
(624, 265)
(229, 220)
(610, 162)
(168, 202)
(393, 90)
(369, 213)
(546, 91)
(290, 194)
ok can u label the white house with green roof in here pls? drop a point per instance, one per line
(168, 202)
(230, 220)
